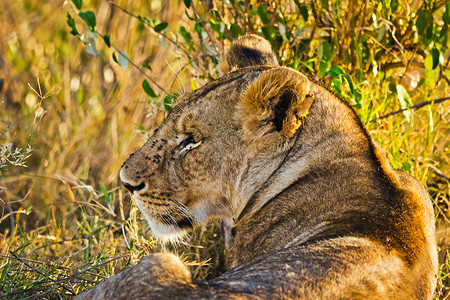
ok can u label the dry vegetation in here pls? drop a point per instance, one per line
(69, 119)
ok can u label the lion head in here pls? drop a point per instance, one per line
(220, 143)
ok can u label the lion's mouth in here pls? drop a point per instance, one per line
(183, 223)
(165, 213)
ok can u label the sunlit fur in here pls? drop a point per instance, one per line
(317, 211)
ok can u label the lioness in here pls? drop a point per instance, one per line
(317, 212)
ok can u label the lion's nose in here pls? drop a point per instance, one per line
(130, 185)
(133, 188)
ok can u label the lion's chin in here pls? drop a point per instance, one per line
(166, 232)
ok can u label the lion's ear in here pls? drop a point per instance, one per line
(275, 104)
(250, 50)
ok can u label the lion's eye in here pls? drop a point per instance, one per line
(189, 143)
(188, 140)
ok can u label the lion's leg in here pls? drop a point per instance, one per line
(153, 275)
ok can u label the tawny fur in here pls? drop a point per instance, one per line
(316, 209)
(250, 50)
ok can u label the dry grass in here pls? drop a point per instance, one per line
(66, 223)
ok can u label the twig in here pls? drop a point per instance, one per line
(136, 66)
(13, 212)
(78, 202)
(415, 106)
(7, 128)
(399, 64)
(146, 23)
(446, 78)
(121, 53)
(142, 71)
(439, 174)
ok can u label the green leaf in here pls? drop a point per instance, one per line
(107, 40)
(214, 59)
(336, 85)
(394, 6)
(89, 18)
(262, 12)
(443, 35)
(186, 36)
(160, 26)
(421, 22)
(304, 12)
(90, 45)
(215, 25)
(356, 96)
(167, 102)
(187, 3)
(323, 66)
(141, 128)
(78, 3)
(150, 21)
(72, 25)
(406, 166)
(147, 67)
(446, 15)
(430, 75)
(435, 55)
(325, 51)
(236, 31)
(217, 15)
(188, 16)
(194, 85)
(350, 83)
(335, 71)
(105, 193)
(148, 89)
(198, 28)
(121, 58)
(5, 271)
(424, 20)
(405, 101)
(428, 63)
(429, 34)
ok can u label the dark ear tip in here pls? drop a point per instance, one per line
(254, 41)
(249, 50)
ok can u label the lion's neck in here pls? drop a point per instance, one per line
(267, 176)
(288, 206)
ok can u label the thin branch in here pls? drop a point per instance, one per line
(136, 66)
(12, 213)
(415, 106)
(439, 174)
(446, 78)
(121, 53)
(146, 23)
(142, 71)
(7, 128)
